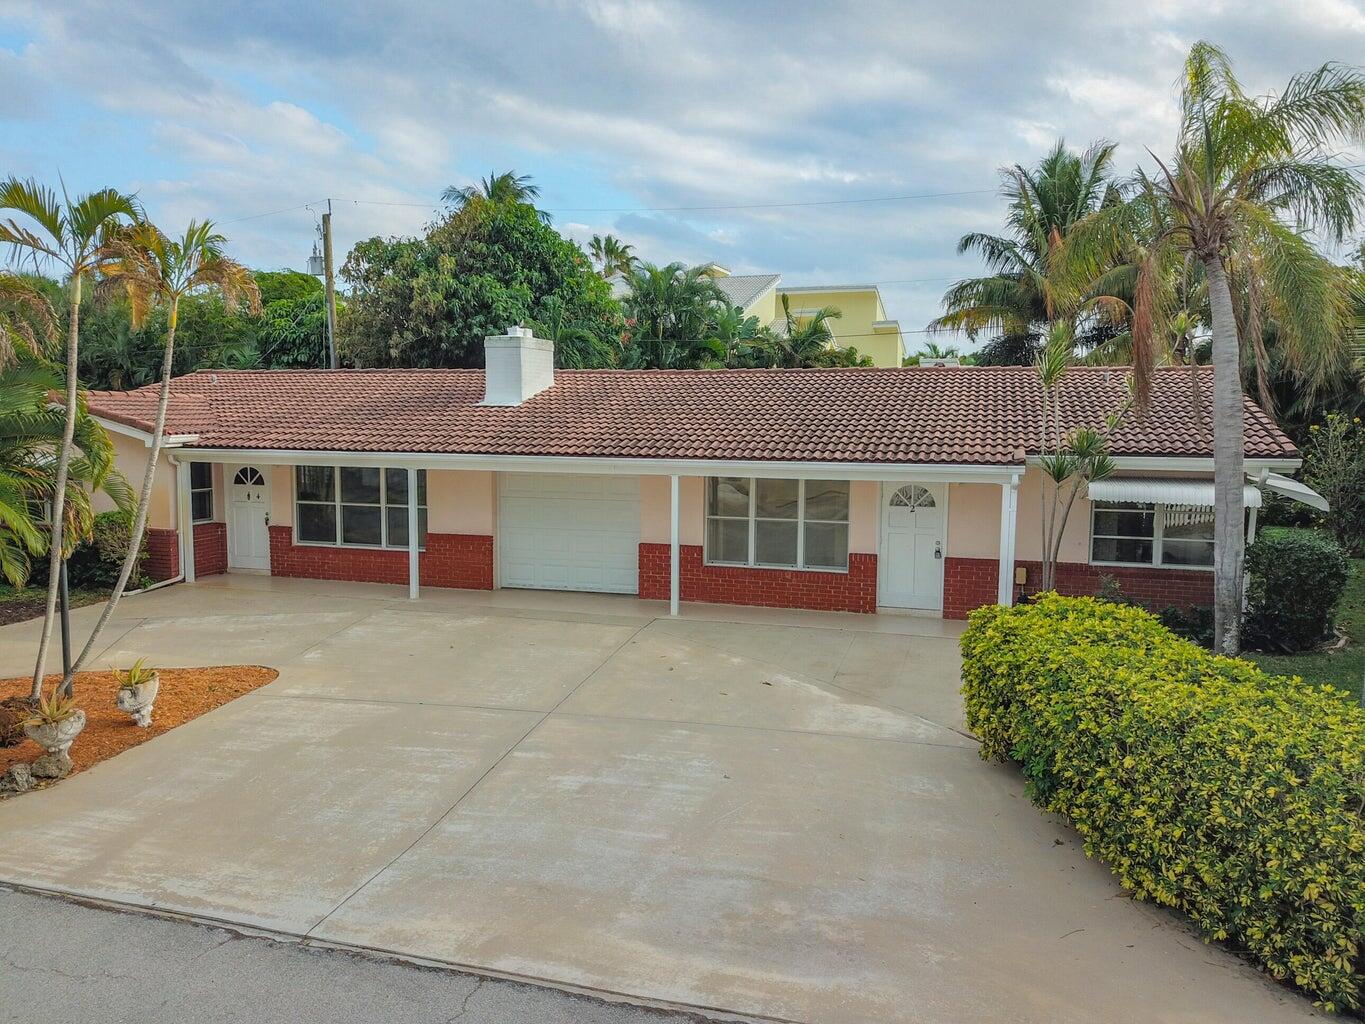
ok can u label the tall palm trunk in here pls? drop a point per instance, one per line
(144, 498)
(54, 557)
(1229, 477)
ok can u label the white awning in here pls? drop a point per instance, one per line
(1295, 491)
(1166, 492)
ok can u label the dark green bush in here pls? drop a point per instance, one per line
(1296, 579)
(1194, 623)
(1205, 784)
(97, 562)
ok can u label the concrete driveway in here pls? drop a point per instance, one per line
(772, 814)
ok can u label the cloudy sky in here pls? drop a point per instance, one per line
(623, 111)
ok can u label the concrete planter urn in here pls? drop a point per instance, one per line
(56, 737)
(137, 689)
(137, 699)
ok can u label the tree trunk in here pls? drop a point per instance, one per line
(58, 505)
(1229, 477)
(143, 502)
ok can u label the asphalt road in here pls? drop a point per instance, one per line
(66, 963)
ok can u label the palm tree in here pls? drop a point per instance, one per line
(1020, 297)
(670, 309)
(804, 337)
(612, 256)
(152, 269)
(1251, 178)
(505, 189)
(31, 431)
(578, 345)
(73, 234)
(736, 340)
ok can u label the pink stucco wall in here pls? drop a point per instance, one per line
(973, 521)
(130, 455)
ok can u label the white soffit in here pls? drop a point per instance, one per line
(1166, 492)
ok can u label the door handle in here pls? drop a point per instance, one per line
(938, 549)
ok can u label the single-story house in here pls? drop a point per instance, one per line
(840, 489)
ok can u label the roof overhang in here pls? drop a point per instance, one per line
(168, 441)
(891, 471)
(1195, 464)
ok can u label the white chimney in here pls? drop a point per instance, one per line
(517, 365)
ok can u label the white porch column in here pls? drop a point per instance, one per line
(185, 519)
(1009, 507)
(414, 583)
(674, 559)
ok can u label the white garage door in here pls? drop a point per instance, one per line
(569, 532)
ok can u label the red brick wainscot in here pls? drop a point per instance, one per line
(450, 560)
(852, 591)
(971, 582)
(210, 549)
(163, 554)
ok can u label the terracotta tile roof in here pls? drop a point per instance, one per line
(977, 415)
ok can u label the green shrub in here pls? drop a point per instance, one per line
(97, 563)
(1207, 785)
(1194, 623)
(1296, 579)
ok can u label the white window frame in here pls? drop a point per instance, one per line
(201, 490)
(753, 520)
(337, 504)
(1158, 510)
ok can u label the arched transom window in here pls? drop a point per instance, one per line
(249, 476)
(912, 496)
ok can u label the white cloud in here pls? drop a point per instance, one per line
(621, 103)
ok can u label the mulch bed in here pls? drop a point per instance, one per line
(21, 609)
(185, 693)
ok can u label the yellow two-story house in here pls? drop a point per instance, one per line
(862, 323)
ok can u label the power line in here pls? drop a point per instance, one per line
(272, 213)
(650, 209)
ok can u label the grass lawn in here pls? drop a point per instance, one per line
(18, 605)
(1343, 669)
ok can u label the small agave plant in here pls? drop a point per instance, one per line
(137, 690)
(53, 726)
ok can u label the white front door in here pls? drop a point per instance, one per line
(914, 521)
(248, 507)
(569, 532)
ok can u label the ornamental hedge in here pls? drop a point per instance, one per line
(1296, 581)
(1206, 785)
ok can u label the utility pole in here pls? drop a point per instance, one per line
(330, 279)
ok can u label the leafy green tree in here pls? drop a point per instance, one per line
(71, 233)
(275, 285)
(840, 356)
(1250, 179)
(292, 333)
(1020, 296)
(430, 301)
